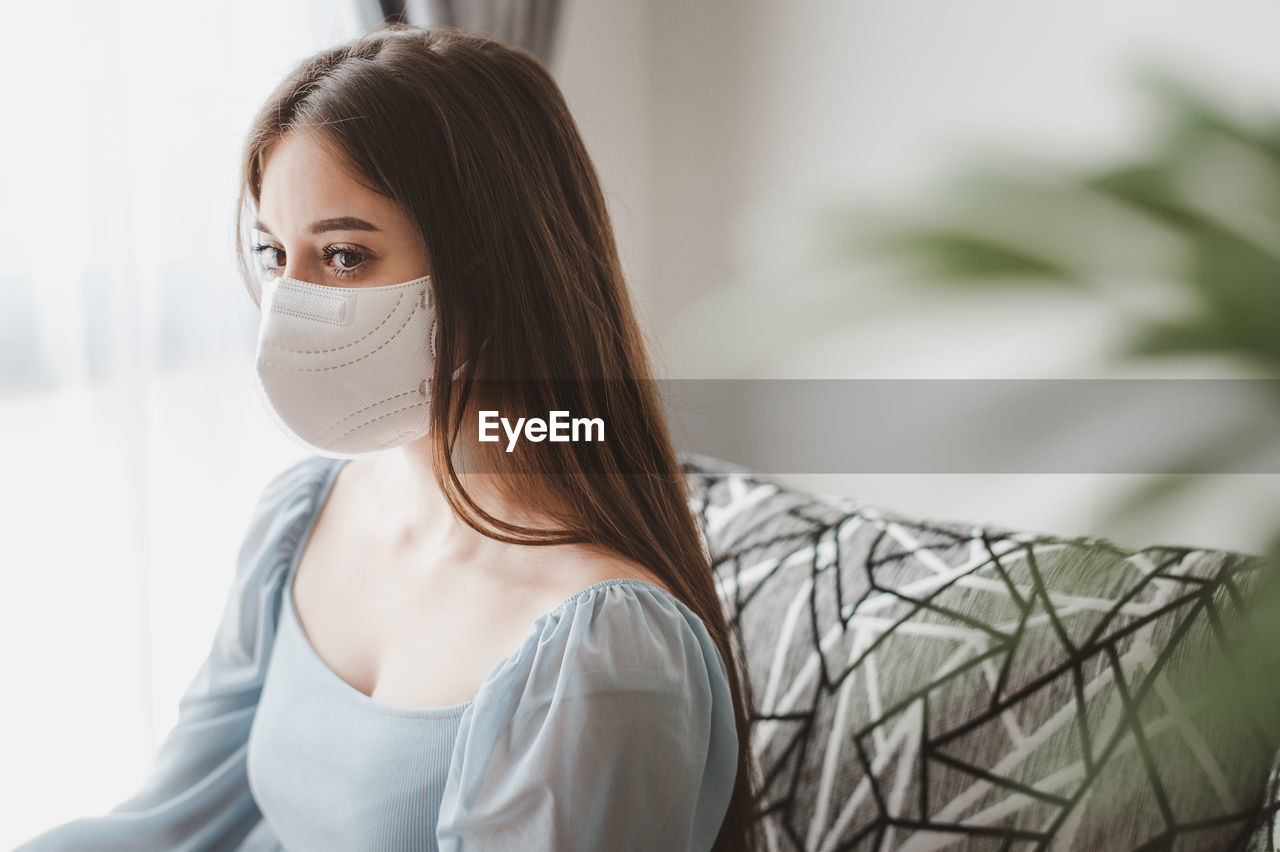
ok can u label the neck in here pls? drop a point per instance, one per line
(405, 492)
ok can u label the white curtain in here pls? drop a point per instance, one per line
(134, 445)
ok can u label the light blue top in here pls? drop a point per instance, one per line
(610, 727)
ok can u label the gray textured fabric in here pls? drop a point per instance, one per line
(928, 684)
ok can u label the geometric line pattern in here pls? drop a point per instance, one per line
(923, 685)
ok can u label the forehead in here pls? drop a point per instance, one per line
(302, 182)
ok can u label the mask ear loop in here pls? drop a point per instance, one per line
(426, 299)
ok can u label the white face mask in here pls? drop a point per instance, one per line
(346, 371)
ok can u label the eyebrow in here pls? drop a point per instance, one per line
(340, 223)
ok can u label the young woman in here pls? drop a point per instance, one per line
(434, 640)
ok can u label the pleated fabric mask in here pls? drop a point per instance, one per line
(346, 371)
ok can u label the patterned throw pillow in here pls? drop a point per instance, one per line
(923, 685)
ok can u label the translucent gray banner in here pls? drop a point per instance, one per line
(1189, 426)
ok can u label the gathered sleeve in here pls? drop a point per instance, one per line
(197, 795)
(611, 728)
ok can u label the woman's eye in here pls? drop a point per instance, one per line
(345, 259)
(347, 262)
(269, 257)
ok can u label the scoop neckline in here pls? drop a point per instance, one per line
(447, 710)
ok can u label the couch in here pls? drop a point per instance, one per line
(923, 684)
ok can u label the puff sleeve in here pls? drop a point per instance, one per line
(612, 728)
(197, 796)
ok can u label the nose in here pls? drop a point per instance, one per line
(298, 273)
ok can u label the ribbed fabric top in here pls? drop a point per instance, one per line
(332, 768)
(610, 727)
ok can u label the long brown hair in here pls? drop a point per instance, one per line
(472, 138)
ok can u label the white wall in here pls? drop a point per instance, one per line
(720, 128)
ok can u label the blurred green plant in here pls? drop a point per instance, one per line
(1186, 234)
(1210, 182)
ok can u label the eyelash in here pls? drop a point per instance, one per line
(326, 254)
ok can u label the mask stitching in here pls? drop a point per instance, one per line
(314, 317)
(326, 289)
(379, 417)
(385, 320)
(394, 442)
(337, 423)
(342, 306)
(340, 366)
